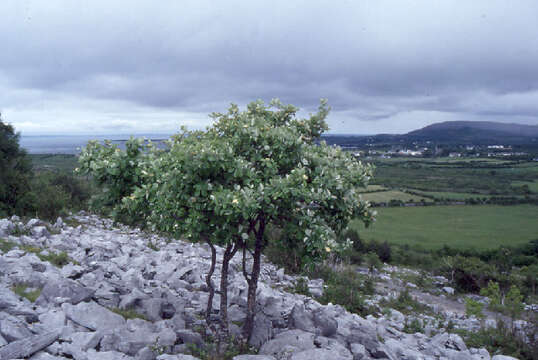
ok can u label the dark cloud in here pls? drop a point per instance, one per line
(375, 61)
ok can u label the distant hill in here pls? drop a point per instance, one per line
(449, 133)
(475, 132)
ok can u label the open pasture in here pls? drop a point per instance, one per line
(463, 227)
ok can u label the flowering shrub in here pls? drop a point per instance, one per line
(250, 170)
(118, 173)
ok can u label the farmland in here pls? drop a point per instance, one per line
(464, 227)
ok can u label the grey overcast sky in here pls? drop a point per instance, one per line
(121, 67)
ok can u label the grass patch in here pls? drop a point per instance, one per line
(127, 313)
(422, 280)
(460, 227)
(153, 246)
(6, 245)
(71, 221)
(405, 304)
(22, 290)
(57, 259)
(56, 162)
(439, 175)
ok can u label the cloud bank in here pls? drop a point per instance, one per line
(385, 66)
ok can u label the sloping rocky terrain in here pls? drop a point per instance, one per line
(159, 287)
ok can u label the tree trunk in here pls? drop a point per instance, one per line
(253, 281)
(210, 284)
(228, 255)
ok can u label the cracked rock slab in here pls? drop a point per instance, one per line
(93, 316)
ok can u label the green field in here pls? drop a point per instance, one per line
(457, 176)
(372, 188)
(55, 162)
(386, 196)
(451, 195)
(463, 227)
(533, 185)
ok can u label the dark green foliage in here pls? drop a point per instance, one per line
(500, 340)
(344, 287)
(117, 173)
(45, 200)
(283, 251)
(301, 287)
(45, 194)
(474, 308)
(15, 172)
(415, 326)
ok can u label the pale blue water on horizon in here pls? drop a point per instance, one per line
(71, 144)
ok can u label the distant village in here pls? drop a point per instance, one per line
(462, 151)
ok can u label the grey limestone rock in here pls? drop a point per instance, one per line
(300, 319)
(92, 316)
(145, 354)
(326, 324)
(262, 330)
(39, 231)
(42, 355)
(358, 351)
(6, 227)
(25, 347)
(132, 299)
(287, 343)
(176, 357)
(106, 355)
(53, 319)
(318, 354)
(12, 329)
(189, 337)
(69, 290)
(254, 357)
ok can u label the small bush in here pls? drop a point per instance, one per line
(301, 287)
(473, 308)
(498, 340)
(346, 288)
(415, 326)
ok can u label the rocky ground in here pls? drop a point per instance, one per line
(125, 294)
